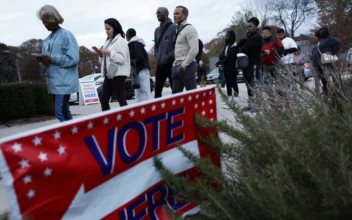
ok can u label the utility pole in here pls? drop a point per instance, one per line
(18, 71)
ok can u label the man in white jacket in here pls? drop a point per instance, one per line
(186, 50)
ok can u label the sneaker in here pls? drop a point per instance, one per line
(236, 99)
(226, 106)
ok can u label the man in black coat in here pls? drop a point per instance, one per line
(251, 45)
(139, 61)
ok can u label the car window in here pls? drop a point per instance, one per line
(96, 78)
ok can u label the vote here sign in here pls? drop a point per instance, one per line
(101, 166)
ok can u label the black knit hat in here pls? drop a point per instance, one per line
(254, 20)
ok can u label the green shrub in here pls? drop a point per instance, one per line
(292, 160)
(24, 100)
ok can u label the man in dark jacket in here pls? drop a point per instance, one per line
(271, 53)
(139, 61)
(252, 46)
(163, 49)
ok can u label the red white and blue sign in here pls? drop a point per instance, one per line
(101, 166)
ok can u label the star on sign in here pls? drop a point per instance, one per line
(31, 194)
(182, 100)
(190, 98)
(197, 96)
(212, 119)
(211, 111)
(24, 163)
(210, 101)
(27, 179)
(61, 150)
(43, 157)
(106, 121)
(48, 172)
(163, 105)
(74, 130)
(153, 108)
(132, 113)
(90, 125)
(203, 112)
(211, 92)
(203, 103)
(57, 135)
(142, 110)
(174, 102)
(204, 94)
(37, 141)
(119, 117)
(196, 106)
(17, 147)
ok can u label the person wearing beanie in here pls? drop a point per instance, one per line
(251, 45)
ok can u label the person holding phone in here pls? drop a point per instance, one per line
(60, 57)
(115, 63)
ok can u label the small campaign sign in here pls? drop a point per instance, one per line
(88, 92)
(101, 166)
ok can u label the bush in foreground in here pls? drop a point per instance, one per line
(291, 160)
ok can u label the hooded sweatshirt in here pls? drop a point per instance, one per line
(164, 47)
(138, 53)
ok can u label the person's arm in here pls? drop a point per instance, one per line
(120, 53)
(192, 39)
(336, 46)
(156, 47)
(71, 53)
(170, 56)
(279, 47)
(292, 48)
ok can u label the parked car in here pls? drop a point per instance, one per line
(214, 76)
(99, 80)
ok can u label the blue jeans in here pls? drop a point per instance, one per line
(62, 107)
(222, 79)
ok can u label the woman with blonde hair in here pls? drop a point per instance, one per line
(60, 56)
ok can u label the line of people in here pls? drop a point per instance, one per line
(177, 49)
(269, 58)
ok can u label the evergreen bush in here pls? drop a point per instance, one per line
(290, 160)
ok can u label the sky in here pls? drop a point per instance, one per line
(85, 18)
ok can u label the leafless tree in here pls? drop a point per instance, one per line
(292, 14)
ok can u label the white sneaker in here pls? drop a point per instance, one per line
(230, 100)
(236, 99)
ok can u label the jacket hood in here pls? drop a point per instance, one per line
(137, 39)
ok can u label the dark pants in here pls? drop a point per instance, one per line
(223, 79)
(248, 74)
(162, 73)
(231, 82)
(324, 70)
(116, 85)
(184, 78)
(62, 107)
